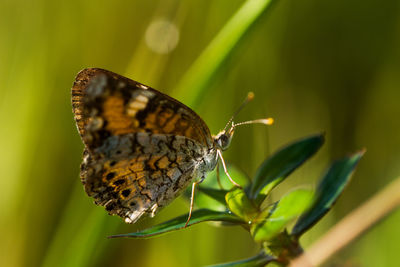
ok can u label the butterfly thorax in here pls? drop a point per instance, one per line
(209, 159)
(206, 163)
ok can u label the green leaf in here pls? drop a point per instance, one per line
(239, 204)
(288, 208)
(259, 260)
(278, 166)
(328, 190)
(178, 223)
(216, 194)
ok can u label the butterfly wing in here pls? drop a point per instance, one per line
(140, 172)
(107, 104)
(141, 147)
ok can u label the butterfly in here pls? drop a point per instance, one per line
(142, 147)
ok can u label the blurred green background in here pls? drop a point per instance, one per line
(314, 66)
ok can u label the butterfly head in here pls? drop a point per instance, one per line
(223, 139)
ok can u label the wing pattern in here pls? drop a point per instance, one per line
(140, 172)
(107, 104)
(141, 147)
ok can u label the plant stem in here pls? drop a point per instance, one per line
(352, 226)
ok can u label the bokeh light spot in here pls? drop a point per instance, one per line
(162, 36)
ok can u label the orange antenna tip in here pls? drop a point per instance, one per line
(250, 96)
(268, 121)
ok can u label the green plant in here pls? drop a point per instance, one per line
(268, 223)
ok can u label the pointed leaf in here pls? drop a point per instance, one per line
(239, 204)
(288, 208)
(328, 190)
(178, 223)
(259, 260)
(278, 166)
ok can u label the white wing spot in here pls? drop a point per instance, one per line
(132, 217)
(142, 98)
(137, 105)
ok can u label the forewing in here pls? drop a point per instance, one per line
(106, 104)
(139, 172)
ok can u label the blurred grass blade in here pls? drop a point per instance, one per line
(178, 223)
(207, 64)
(278, 166)
(259, 260)
(328, 190)
(288, 208)
(77, 239)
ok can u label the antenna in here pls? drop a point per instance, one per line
(267, 121)
(249, 97)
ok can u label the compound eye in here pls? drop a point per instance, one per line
(219, 142)
(223, 141)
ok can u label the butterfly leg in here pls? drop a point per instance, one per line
(226, 170)
(153, 210)
(192, 199)
(218, 178)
